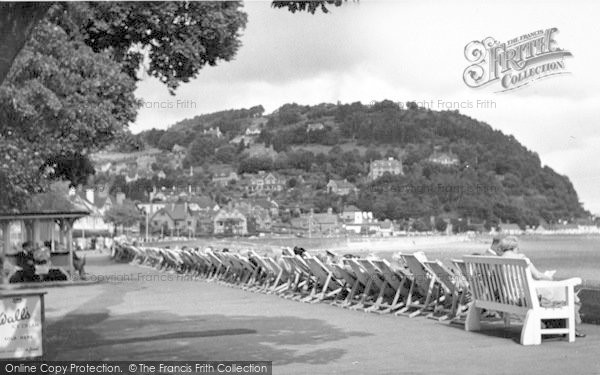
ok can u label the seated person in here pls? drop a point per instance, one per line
(493, 250)
(41, 257)
(509, 248)
(299, 251)
(26, 262)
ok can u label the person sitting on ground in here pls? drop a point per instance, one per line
(508, 247)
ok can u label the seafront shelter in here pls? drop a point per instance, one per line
(39, 227)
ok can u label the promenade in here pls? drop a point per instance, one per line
(142, 314)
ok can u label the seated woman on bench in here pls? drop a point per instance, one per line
(508, 247)
(26, 262)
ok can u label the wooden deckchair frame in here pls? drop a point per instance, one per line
(423, 282)
(367, 281)
(450, 286)
(397, 280)
(352, 285)
(326, 285)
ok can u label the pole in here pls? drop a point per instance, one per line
(147, 220)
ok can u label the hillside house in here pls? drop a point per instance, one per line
(315, 127)
(265, 183)
(341, 187)
(97, 201)
(230, 221)
(223, 175)
(175, 219)
(443, 158)
(378, 168)
(213, 131)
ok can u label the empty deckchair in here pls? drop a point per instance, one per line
(398, 280)
(421, 296)
(326, 284)
(380, 282)
(263, 273)
(219, 267)
(450, 286)
(281, 275)
(370, 284)
(351, 285)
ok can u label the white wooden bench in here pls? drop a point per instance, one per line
(506, 285)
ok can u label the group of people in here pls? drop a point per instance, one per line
(35, 264)
(508, 247)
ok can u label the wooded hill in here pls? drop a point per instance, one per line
(493, 178)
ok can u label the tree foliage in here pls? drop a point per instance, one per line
(70, 89)
(125, 214)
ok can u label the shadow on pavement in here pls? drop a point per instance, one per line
(92, 333)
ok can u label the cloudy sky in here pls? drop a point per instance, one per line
(411, 50)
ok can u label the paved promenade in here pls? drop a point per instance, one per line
(138, 316)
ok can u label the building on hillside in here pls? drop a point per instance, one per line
(256, 126)
(144, 162)
(322, 223)
(205, 222)
(203, 203)
(222, 175)
(258, 218)
(174, 219)
(150, 208)
(253, 130)
(350, 213)
(230, 222)
(246, 139)
(265, 183)
(161, 175)
(258, 150)
(97, 201)
(378, 168)
(386, 228)
(326, 223)
(178, 153)
(443, 158)
(116, 168)
(132, 175)
(341, 187)
(268, 204)
(213, 131)
(315, 127)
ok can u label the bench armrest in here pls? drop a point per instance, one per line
(557, 284)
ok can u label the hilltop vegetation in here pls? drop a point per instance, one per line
(494, 179)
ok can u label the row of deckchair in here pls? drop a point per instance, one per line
(411, 286)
